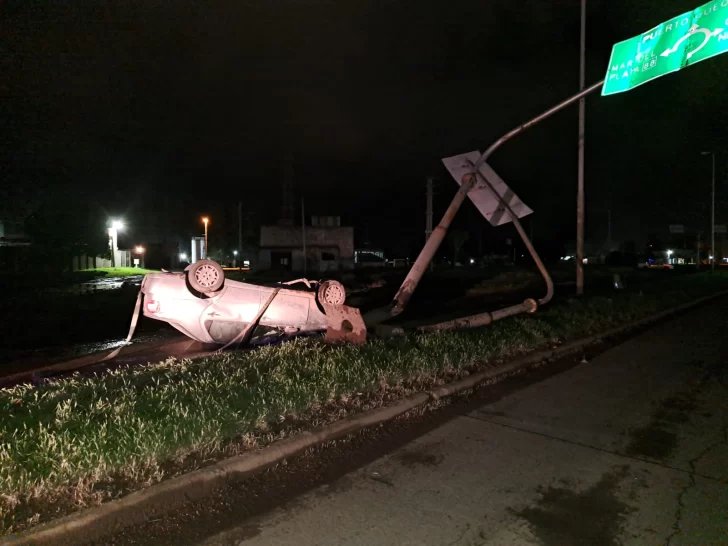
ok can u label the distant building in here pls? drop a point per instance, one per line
(329, 246)
(369, 257)
(11, 234)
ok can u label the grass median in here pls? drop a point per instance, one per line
(116, 272)
(80, 441)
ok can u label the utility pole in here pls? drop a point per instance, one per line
(288, 208)
(697, 253)
(712, 214)
(580, 191)
(206, 220)
(428, 214)
(712, 218)
(240, 228)
(303, 232)
(609, 230)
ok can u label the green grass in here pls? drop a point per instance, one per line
(118, 271)
(84, 440)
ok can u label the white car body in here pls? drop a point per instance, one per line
(223, 315)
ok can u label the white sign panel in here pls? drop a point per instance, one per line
(720, 229)
(488, 204)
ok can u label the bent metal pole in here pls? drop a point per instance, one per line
(528, 306)
(433, 243)
(526, 241)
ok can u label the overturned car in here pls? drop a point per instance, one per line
(205, 306)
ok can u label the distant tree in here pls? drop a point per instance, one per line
(629, 247)
(457, 238)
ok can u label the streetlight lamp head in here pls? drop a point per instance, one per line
(205, 219)
(139, 249)
(183, 256)
(235, 252)
(117, 224)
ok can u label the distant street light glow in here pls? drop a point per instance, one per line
(182, 257)
(139, 249)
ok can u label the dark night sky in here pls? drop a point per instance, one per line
(165, 110)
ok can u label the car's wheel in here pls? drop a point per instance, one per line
(331, 293)
(206, 276)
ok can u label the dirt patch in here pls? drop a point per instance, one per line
(563, 517)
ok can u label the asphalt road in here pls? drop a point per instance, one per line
(628, 448)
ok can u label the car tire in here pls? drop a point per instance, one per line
(331, 293)
(206, 276)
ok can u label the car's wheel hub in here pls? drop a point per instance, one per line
(207, 276)
(334, 295)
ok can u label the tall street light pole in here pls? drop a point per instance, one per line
(116, 226)
(240, 226)
(580, 191)
(712, 214)
(206, 220)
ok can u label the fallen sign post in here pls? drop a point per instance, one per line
(499, 205)
(468, 182)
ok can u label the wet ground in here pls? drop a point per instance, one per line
(628, 448)
(106, 283)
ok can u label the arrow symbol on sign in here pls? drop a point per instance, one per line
(707, 35)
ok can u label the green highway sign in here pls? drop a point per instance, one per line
(683, 40)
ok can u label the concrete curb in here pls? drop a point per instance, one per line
(165, 496)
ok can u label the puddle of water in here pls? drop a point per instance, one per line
(594, 516)
(22, 360)
(652, 442)
(421, 457)
(657, 440)
(110, 283)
